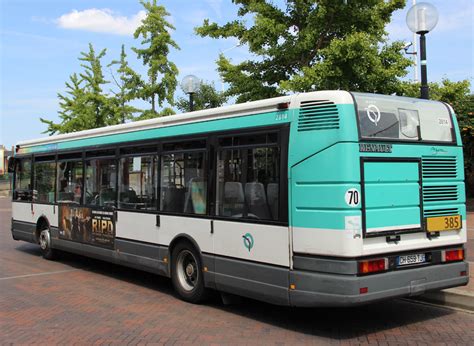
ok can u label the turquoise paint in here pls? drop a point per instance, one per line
(392, 194)
(392, 217)
(205, 127)
(396, 195)
(318, 184)
(306, 143)
(391, 172)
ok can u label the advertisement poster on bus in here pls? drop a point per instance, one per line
(86, 225)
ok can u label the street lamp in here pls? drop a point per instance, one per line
(190, 85)
(421, 19)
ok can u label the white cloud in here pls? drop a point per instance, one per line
(216, 6)
(195, 18)
(101, 20)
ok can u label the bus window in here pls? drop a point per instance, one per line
(137, 183)
(22, 190)
(183, 187)
(44, 181)
(402, 118)
(247, 183)
(70, 182)
(100, 182)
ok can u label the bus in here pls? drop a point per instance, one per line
(325, 198)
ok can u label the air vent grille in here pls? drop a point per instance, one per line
(439, 167)
(441, 212)
(440, 193)
(318, 115)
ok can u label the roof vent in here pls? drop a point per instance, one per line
(318, 115)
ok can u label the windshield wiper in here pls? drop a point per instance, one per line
(384, 129)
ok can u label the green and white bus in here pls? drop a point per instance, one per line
(326, 198)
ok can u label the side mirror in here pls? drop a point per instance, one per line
(11, 164)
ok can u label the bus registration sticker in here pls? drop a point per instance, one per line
(352, 197)
(443, 223)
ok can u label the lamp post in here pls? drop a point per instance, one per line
(421, 19)
(190, 85)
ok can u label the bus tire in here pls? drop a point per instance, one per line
(187, 274)
(45, 244)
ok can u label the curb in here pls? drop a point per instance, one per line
(451, 297)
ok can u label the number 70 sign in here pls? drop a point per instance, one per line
(352, 197)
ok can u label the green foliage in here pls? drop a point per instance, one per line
(127, 85)
(150, 114)
(206, 97)
(84, 106)
(354, 63)
(458, 95)
(319, 44)
(156, 42)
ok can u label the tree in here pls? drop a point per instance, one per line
(73, 107)
(94, 80)
(458, 95)
(311, 44)
(128, 84)
(206, 97)
(84, 106)
(156, 43)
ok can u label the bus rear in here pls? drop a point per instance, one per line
(377, 199)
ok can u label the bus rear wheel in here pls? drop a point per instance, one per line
(187, 273)
(45, 244)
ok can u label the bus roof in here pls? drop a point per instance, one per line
(236, 110)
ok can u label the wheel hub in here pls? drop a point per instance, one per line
(189, 270)
(44, 239)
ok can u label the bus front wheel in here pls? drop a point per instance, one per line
(45, 244)
(187, 273)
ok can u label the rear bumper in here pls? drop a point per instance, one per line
(321, 289)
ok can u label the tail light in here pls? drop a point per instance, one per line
(373, 266)
(452, 255)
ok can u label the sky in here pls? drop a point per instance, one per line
(41, 40)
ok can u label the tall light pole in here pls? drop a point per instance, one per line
(415, 56)
(190, 85)
(421, 19)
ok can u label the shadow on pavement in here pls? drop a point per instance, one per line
(332, 323)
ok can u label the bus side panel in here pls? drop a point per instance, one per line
(137, 226)
(252, 242)
(25, 217)
(198, 229)
(323, 221)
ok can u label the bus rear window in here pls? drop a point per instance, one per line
(403, 118)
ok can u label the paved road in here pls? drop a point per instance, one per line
(82, 301)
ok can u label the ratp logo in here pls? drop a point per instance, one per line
(248, 241)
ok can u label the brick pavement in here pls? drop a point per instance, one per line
(82, 301)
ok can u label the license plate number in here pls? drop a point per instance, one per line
(443, 223)
(411, 259)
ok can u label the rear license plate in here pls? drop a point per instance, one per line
(411, 259)
(443, 223)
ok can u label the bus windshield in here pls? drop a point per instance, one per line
(402, 118)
